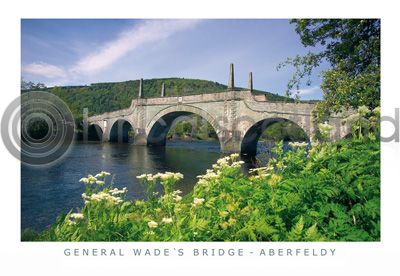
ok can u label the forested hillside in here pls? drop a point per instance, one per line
(105, 97)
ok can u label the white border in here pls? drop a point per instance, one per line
(48, 259)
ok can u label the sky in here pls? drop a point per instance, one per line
(80, 52)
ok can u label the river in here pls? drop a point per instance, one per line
(48, 192)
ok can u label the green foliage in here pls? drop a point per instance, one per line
(365, 123)
(182, 129)
(352, 43)
(343, 91)
(38, 128)
(192, 127)
(330, 193)
(352, 47)
(285, 130)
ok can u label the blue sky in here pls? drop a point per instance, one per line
(77, 52)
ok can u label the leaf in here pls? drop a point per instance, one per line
(295, 233)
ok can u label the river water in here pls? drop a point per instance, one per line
(48, 192)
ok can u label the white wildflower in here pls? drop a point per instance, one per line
(296, 145)
(177, 192)
(152, 224)
(115, 191)
(377, 110)
(151, 177)
(85, 180)
(178, 198)
(77, 216)
(237, 164)
(85, 196)
(167, 220)
(363, 110)
(92, 179)
(142, 176)
(178, 176)
(198, 201)
(102, 174)
(222, 162)
(325, 128)
(170, 176)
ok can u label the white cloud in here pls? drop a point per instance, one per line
(44, 70)
(309, 91)
(149, 31)
(142, 34)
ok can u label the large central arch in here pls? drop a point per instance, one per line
(159, 126)
(250, 140)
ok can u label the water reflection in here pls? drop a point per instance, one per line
(48, 192)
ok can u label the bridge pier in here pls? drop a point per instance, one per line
(230, 147)
(140, 138)
(230, 141)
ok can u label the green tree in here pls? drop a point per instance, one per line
(352, 47)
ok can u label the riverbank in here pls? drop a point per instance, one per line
(331, 193)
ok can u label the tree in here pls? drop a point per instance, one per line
(352, 47)
(29, 85)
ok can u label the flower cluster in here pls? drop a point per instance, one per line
(176, 195)
(77, 216)
(167, 220)
(152, 224)
(363, 110)
(230, 161)
(170, 176)
(261, 172)
(163, 176)
(97, 179)
(115, 191)
(325, 129)
(198, 201)
(298, 145)
(103, 197)
(74, 217)
(102, 174)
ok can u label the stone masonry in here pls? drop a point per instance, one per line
(238, 117)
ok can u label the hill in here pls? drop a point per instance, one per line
(105, 97)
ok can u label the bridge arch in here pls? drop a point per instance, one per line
(95, 132)
(158, 127)
(121, 131)
(252, 135)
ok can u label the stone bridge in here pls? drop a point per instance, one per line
(238, 117)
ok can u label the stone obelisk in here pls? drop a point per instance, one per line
(163, 90)
(251, 82)
(231, 82)
(141, 89)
